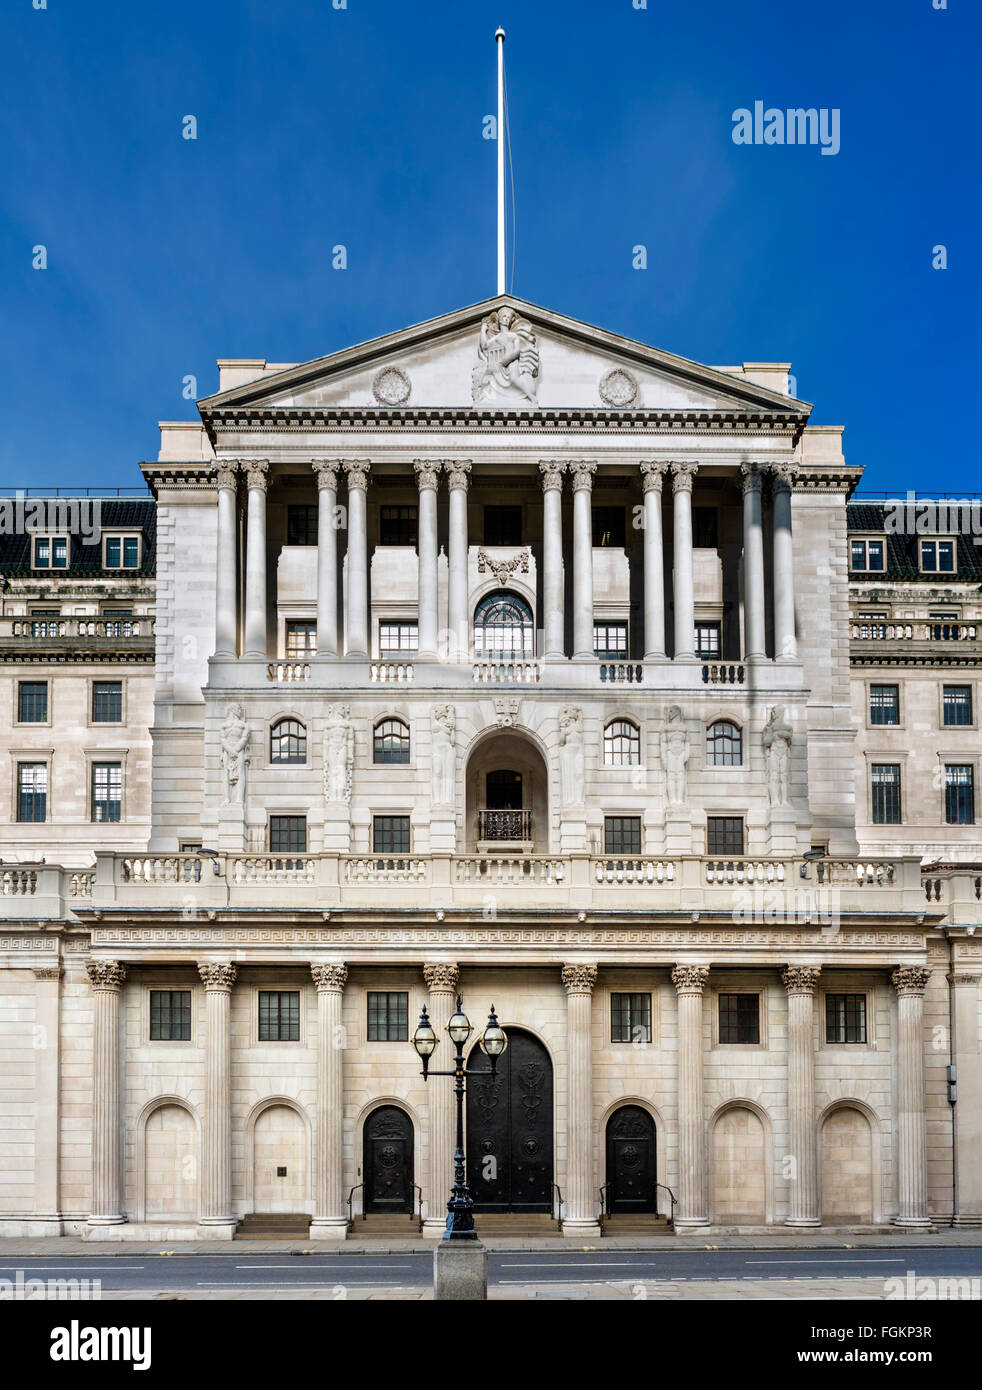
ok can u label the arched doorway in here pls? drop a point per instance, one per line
(631, 1170)
(507, 795)
(739, 1175)
(388, 1166)
(509, 1128)
(847, 1167)
(171, 1165)
(279, 1161)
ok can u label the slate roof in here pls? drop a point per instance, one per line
(902, 563)
(85, 561)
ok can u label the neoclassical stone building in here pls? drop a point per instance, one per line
(509, 657)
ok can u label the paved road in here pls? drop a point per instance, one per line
(218, 1274)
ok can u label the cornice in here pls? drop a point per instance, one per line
(902, 655)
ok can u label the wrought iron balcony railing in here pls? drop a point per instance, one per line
(512, 826)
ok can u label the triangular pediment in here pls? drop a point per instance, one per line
(503, 353)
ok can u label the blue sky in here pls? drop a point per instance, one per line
(362, 126)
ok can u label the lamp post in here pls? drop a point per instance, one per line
(492, 1042)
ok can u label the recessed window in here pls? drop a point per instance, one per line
(724, 744)
(608, 527)
(121, 552)
(845, 1018)
(739, 1018)
(32, 702)
(398, 641)
(708, 640)
(867, 556)
(301, 640)
(301, 523)
(502, 525)
(398, 525)
(622, 834)
(884, 704)
(885, 785)
(391, 742)
(937, 557)
(503, 628)
(32, 791)
(630, 1018)
(118, 622)
(44, 622)
(279, 1015)
(50, 552)
(959, 794)
(288, 834)
(724, 835)
(170, 1015)
(622, 744)
(610, 641)
(107, 792)
(288, 742)
(107, 702)
(390, 834)
(388, 1016)
(957, 705)
(705, 528)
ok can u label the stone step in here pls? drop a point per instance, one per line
(275, 1225)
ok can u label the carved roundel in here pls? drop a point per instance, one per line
(391, 386)
(619, 387)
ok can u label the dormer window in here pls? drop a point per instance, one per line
(50, 553)
(121, 552)
(867, 556)
(937, 557)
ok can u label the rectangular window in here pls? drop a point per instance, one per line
(398, 525)
(107, 702)
(610, 641)
(705, 528)
(502, 525)
(739, 1018)
(50, 552)
(170, 1015)
(724, 835)
(118, 622)
(867, 556)
(32, 702)
(301, 523)
(886, 793)
(938, 557)
(845, 1018)
(884, 704)
(398, 640)
(388, 1016)
(390, 834)
(301, 640)
(708, 639)
(279, 1015)
(107, 792)
(122, 552)
(608, 527)
(622, 834)
(957, 705)
(959, 794)
(288, 834)
(32, 791)
(630, 1018)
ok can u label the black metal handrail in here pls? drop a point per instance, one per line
(351, 1219)
(671, 1214)
(559, 1205)
(418, 1189)
(603, 1205)
(655, 1186)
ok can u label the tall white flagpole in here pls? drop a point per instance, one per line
(500, 38)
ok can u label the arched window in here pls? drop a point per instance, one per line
(288, 742)
(503, 628)
(391, 744)
(724, 744)
(622, 744)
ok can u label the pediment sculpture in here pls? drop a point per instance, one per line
(507, 359)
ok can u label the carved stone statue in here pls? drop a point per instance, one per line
(675, 756)
(235, 755)
(508, 359)
(776, 738)
(571, 772)
(444, 756)
(339, 742)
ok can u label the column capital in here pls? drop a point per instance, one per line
(458, 473)
(357, 471)
(910, 979)
(442, 977)
(690, 979)
(552, 471)
(227, 473)
(579, 977)
(582, 471)
(217, 975)
(329, 976)
(427, 473)
(327, 472)
(106, 974)
(751, 477)
(653, 475)
(801, 979)
(256, 472)
(783, 475)
(683, 475)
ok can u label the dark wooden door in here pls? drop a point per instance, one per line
(509, 1129)
(503, 790)
(631, 1172)
(388, 1164)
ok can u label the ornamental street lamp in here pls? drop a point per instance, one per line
(492, 1042)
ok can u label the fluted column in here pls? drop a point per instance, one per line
(442, 979)
(583, 645)
(800, 982)
(580, 1214)
(652, 475)
(327, 556)
(356, 586)
(458, 480)
(257, 471)
(218, 978)
(684, 594)
(785, 641)
(106, 1208)
(330, 1213)
(753, 564)
(226, 549)
(553, 616)
(427, 480)
(689, 982)
(909, 981)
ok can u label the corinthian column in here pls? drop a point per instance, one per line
(909, 981)
(785, 642)
(553, 617)
(327, 556)
(106, 978)
(330, 1216)
(458, 479)
(689, 982)
(583, 644)
(580, 1214)
(753, 564)
(427, 480)
(652, 475)
(685, 620)
(255, 597)
(800, 982)
(218, 978)
(226, 579)
(442, 978)
(356, 587)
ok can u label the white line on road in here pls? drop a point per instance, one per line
(574, 1264)
(862, 1260)
(403, 1264)
(76, 1269)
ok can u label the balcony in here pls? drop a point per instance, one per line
(498, 827)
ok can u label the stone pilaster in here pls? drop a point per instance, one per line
(442, 980)
(689, 982)
(909, 981)
(966, 1054)
(106, 978)
(581, 1212)
(218, 978)
(800, 982)
(330, 1214)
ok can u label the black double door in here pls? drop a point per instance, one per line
(631, 1171)
(509, 1129)
(388, 1161)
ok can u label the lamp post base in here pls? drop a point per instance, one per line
(460, 1271)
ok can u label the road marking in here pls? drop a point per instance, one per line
(860, 1261)
(575, 1264)
(295, 1284)
(76, 1269)
(358, 1266)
